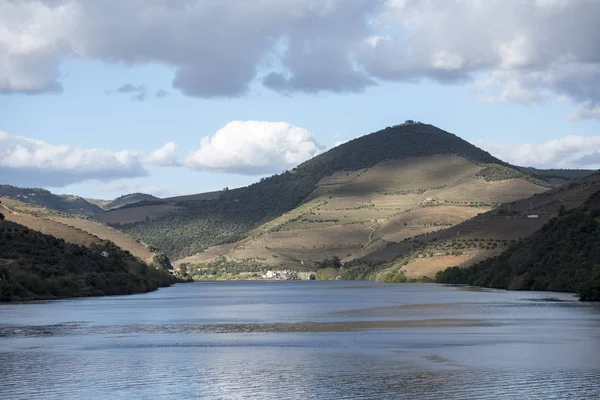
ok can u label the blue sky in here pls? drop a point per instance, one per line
(518, 104)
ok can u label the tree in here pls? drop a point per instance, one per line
(1, 216)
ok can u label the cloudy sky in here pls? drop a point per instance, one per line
(102, 98)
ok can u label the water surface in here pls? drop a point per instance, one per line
(303, 340)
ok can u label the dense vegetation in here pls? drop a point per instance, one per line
(496, 172)
(41, 197)
(38, 266)
(222, 268)
(201, 224)
(563, 256)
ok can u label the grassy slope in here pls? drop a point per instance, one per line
(191, 227)
(352, 214)
(38, 266)
(477, 239)
(76, 230)
(563, 256)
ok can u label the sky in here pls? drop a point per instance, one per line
(171, 97)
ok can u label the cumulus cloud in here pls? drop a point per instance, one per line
(254, 148)
(518, 51)
(165, 156)
(567, 152)
(582, 113)
(30, 162)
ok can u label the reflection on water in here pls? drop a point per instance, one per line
(303, 340)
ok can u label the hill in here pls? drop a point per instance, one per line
(479, 238)
(38, 266)
(562, 256)
(185, 228)
(78, 231)
(68, 204)
(353, 214)
(129, 199)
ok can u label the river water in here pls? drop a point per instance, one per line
(303, 340)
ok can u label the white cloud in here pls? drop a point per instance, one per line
(165, 156)
(518, 51)
(254, 148)
(582, 113)
(567, 152)
(30, 162)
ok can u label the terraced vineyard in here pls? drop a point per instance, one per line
(369, 214)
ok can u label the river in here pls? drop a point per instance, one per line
(303, 340)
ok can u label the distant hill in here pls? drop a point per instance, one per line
(129, 199)
(38, 266)
(557, 174)
(184, 227)
(564, 255)
(68, 204)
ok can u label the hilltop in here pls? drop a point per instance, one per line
(123, 201)
(184, 228)
(562, 256)
(39, 266)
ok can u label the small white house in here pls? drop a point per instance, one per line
(533, 216)
(271, 274)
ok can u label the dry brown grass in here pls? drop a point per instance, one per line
(68, 233)
(348, 208)
(104, 232)
(429, 266)
(207, 255)
(73, 230)
(196, 197)
(135, 214)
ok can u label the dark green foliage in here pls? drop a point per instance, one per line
(38, 266)
(206, 223)
(221, 267)
(333, 262)
(162, 260)
(562, 256)
(1, 217)
(496, 172)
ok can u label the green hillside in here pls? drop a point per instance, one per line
(194, 226)
(38, 266)
(563, 256)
